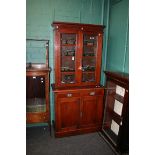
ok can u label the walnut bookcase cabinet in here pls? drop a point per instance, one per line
(77, 90)
(116, 115)
(37, 90)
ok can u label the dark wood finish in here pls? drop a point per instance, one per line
(79, 30)
(38, 70)
(87, 27)
(33, 117)
(78, 111)
(66, 89)
(119, 77)
(78, 131)
(89, 112)
(78, 102)
(68, 113)
(121, 141)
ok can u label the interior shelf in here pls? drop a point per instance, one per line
(115, 124)
(36, 105)
(116, 96)
(68, 56)
(68, 72)
(88, 56)
(91, 72)
(119, 98)
(68, 45)
(111, 113)
(111, 135)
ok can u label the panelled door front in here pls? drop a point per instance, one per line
(68, 110)
(88, 113)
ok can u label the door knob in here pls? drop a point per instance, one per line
(80, 68)
(92, 93)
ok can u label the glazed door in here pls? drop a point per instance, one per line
(66, 44)
(35, 94)
(68, 110)
(37, 97)
(91, 58)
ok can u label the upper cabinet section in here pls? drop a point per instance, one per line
(78, 52)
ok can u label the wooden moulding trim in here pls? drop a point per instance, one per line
(124, 77)
(31, 39)
(109, 140)
(78, 131)
(38, 70)
(80, 24)
(75, 88)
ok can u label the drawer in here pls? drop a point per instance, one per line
(99, 91)
(68, 94)
(36, 118)
(92, 92)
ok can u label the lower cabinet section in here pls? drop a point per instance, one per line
(37, 117)
(78, 111)
(37, 96)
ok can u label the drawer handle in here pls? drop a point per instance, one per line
(69, 95)
(92, 93)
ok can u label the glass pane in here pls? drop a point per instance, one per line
(89, 58)
(88, 64)
(68, 39)
(35, 94)
(90, 40)
(68, 78)
(88, 77)
(68, 59)
(68, 55)
(113, 111)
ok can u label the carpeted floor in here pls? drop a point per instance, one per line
(39, 142)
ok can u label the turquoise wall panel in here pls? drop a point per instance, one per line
(126, 61)
(91, 11)
(70, 13)
(38, 19)
(105, 18)
(117, 52)
(35, 52)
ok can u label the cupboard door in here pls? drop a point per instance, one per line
(88, 113)
(92, 111)
(66, 46)
(35, 94)
(68, 110)
(91, 58)
(37, 97)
